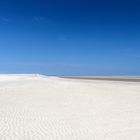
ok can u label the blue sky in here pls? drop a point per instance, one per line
(70, 37)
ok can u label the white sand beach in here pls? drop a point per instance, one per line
(36, 107)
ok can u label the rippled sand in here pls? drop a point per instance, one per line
(35, 107)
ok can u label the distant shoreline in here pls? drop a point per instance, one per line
(105, 78)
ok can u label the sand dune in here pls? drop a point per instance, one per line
(35, 107)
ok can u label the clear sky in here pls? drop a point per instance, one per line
(70, 37)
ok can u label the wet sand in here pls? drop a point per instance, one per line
(107, 78)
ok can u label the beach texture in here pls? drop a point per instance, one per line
(36, 107)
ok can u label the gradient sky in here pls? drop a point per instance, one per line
(70, 37)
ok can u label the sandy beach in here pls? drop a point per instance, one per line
(37, 107)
